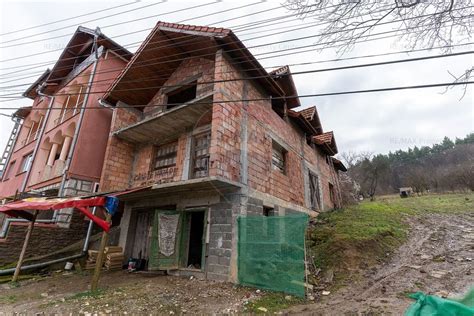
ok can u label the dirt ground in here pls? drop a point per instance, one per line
(123, 293)
(437, 258)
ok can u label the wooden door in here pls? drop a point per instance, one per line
(142, 238)
(165, 240)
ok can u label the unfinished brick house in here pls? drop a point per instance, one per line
(201, 134)
(57, 148)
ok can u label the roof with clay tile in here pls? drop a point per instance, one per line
(324, 137)
(187, 27)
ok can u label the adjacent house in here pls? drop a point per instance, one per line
(58, 144)
(201, 134)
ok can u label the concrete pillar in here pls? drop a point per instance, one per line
(65, 149)
(52, 154)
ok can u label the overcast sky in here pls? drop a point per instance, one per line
(377, 122)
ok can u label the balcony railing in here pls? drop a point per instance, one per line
(65, 115)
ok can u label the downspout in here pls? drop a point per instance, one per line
(81, 117)
(40, 138)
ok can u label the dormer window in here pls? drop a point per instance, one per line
(181, 95)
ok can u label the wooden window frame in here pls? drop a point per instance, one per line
(314, 191)
(193, 168)
(165, 156)
(279, 157)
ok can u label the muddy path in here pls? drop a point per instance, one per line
(438, 258)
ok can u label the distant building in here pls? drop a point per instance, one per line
(406, 192)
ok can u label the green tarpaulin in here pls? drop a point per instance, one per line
(431, 305)
(271, 252)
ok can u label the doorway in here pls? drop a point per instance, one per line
(196, 233)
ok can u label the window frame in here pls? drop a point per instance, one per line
(314, 191)
(26, 162)
(283, 153)
(9, 171)
(193, 169)
(184, 86)
(165, 156)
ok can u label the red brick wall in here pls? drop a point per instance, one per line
(201, 67)
(119, 154)
(262, 124)
(226, 122)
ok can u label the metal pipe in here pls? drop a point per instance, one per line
(81, 117)
(43, 127)
(41, 265)
(89, 232)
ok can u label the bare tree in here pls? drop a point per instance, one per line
(416, 23)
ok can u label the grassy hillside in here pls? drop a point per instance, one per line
(360, 236)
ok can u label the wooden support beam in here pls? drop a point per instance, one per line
(25, 245)
(100, 256)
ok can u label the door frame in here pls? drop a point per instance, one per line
(185, 238)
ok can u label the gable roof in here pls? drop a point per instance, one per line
(327, 142)
(183, 41)
(80, 44)
(31, 91)
(338, 165)
(284, 78)
(312, 116)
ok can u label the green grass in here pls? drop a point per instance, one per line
(87, 294)
(362, 235)
(8, 299)
(272, 302)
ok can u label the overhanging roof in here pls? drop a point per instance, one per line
(31, 91)
(163, 51)
(80, 44)
(284, 78)
(327, 142)
(22, 112)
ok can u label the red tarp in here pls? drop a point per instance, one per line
(21, 208)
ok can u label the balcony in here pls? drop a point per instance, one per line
(50, 172)
(167, 125)
(65, 115)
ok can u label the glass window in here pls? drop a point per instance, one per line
(26, 162)
(165, 155)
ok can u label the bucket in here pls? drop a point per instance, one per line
(69, 266)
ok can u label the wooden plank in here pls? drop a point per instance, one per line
(25, 245)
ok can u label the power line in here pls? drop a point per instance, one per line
(398, 88)
(147, 29)
(299, 64)
(72, 25)
(158, 42)
(270, 76)
(35, 73)
(69, 18)
(147, 62)
(129, 45)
